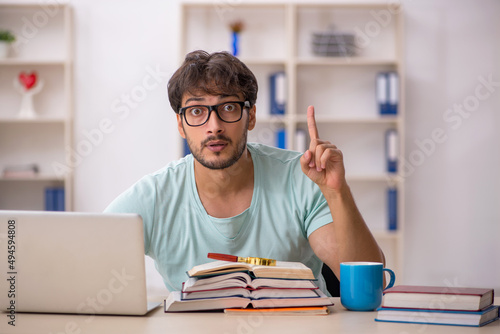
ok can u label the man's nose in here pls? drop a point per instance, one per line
(214, 123)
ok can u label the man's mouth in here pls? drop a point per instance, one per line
(216, 145)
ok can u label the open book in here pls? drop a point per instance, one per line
(283, 269)
(243, 280)
(174, 302)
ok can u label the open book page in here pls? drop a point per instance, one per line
(283, 269)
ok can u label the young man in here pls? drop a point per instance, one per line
(240, 198)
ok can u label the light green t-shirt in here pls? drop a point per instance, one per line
(286, 208)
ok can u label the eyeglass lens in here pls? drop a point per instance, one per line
(229, 112)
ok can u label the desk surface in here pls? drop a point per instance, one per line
(338, 321)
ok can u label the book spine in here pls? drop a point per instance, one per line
(277, 86)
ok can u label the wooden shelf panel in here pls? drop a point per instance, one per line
(38, 178)
(43, 45)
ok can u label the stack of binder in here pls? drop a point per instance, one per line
(334, 44)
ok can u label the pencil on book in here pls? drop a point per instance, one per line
(233, 258)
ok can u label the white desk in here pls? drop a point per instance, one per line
(338, 321)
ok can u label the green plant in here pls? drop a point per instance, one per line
(7, 36)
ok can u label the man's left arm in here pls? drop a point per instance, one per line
(347, 238)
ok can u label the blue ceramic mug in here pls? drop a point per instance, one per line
(361, 285)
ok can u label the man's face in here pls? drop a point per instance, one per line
(216, 144)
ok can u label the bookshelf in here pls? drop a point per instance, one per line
(277, 37)
(43, 46)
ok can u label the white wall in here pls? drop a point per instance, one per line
(453, 194)
(453, 191)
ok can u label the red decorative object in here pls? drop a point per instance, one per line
(28, 80)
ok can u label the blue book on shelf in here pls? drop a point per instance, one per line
(392, 208)
(281, 138)
(277, 84)
(391, 150)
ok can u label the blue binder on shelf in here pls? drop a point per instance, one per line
(387, 93)
(281, 138)
(277, 84)
(185, 147)
(391, 150)
(54, 199)
(393, 92)
(392, 208)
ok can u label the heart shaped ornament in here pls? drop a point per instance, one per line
(27, 80)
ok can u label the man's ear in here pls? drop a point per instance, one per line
(251, 118)
(179, 126)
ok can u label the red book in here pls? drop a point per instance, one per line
(438, 298)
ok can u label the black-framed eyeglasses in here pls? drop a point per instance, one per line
(229, 112)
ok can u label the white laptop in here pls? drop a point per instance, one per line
(68, 262)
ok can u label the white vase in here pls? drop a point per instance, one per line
(4, 49)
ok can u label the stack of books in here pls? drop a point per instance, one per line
(438, 305)
(287, 287)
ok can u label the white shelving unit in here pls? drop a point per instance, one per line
(277, 37)
(44, 46)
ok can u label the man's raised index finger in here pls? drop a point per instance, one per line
(311, 123)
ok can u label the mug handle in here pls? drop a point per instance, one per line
(393, 278)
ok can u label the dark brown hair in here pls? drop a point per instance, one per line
(218, 73)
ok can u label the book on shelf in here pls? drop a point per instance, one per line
(308, 310)
(439, 317)
(282, 269)
(21, 171)
(175, 303)
(438, 297)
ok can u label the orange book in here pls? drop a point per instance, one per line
(312, 310)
